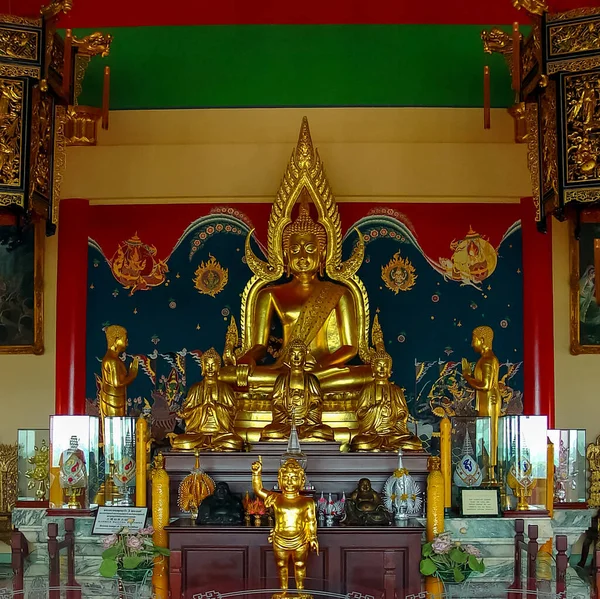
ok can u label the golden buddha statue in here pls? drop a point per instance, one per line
(297, 395)
(488, 399)
(295, 531)
(115, 377)
(323, 304)
(382, 412)
(209, 412)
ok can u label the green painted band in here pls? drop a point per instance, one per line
(297, 65)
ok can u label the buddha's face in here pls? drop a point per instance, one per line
(221, 492)
(297, 356)
(291, 480)
(121, 343)
(210, 367)
(364, 485)
(477, 343)
(303, 253)
(382, 369)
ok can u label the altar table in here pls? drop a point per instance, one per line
(380, 561)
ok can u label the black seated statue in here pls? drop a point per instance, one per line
(222, 507)
(365, 508)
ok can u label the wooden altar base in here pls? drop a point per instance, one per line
(328, 469)
(379, 561)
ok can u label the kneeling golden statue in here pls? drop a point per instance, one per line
(382, 412)
(297, 392)
(209, 412)
(295, 530)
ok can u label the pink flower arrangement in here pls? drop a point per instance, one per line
(129, 549)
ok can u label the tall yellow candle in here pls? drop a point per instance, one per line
(141, 461)
(446, 456)
(160, 519)
(435, 518)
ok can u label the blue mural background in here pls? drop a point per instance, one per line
(427, 328)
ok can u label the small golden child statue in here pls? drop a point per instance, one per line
(295, 530)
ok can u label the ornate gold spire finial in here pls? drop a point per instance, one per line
(305, 152)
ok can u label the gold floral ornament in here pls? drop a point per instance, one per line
(194, 488)
(211, 277)
(135, 266)
(399, 274)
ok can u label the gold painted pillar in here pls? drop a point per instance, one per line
(160, 519)
(435, 518)
(446, 456)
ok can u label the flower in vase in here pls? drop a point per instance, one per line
(472, 550)
(441, 544)
(109, 541)
(134, 543)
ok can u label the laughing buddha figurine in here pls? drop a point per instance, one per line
(294, 534)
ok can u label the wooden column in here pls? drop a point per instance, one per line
(538, 316)
(71, 303)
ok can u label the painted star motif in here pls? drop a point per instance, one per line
(459, 324)
(92, 286)
(518, 270)
(177, 276)
(135, 310)
(197, 327)
(489, 287)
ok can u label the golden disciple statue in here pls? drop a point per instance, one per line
(297, 392)
(382, 412)
(115, 377)
(484, 380)
(209, 412)
(295, 531)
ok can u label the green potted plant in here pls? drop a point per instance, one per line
(129, 554)
(450, 561)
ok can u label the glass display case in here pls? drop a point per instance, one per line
(74, 474)
(569, 466)
(33, 466)
(119, 461)
(470, 443)
(522, 460)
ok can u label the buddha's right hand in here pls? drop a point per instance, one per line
(256, 468)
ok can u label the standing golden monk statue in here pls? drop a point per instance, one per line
(115, 377)
(382, 412)
(297, 392)
(209, 412)
(484, 380)
(295, 531)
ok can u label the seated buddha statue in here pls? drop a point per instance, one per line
(209, 412)
(382, 412)
(320, 313)
(297, 396)
(364, 507)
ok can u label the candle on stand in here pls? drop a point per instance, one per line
(516, 59)
(486, 97)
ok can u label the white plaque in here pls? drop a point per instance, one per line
(480, 502)
(110, 520)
